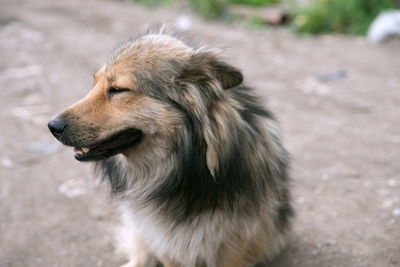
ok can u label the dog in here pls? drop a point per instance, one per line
(196, 165)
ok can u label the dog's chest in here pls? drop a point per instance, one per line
(197, 239)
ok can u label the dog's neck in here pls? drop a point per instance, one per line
(176, 182)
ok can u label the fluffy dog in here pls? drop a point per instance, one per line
(195, 163)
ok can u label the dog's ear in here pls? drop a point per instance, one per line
(203, 64)
(203, 68)
(228, 75)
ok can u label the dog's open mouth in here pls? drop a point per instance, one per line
(115, 144)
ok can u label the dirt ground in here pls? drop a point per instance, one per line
(337, 99)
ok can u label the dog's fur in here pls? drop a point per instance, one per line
(205, 182)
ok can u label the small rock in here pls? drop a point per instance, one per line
(392, 182)
(183, 23)
(73, 188)
(7, 162)
(313, 86)
(300, 200)
(335, 75)
(327, 173)
(387, 24)
(396, 212)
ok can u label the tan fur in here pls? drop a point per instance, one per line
(233, 255)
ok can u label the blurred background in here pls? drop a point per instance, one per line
(329, 69)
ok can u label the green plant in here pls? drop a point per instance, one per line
(256, 21)
(150, 2)
(216, 8)
(254, 2)
(209, 8)
(343, 16)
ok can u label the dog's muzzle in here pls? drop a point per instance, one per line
(96, 149)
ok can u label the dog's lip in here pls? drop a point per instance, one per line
(110, 146)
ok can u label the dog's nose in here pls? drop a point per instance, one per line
(57, 126)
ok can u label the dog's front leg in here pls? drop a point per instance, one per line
(136, 262)
(167, 263)
(134, 248)
(140, 256)
(130, 243)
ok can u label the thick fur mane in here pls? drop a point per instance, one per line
(194, 184)
(190, 188)
(228, 155)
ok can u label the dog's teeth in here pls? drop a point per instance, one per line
(85, 149)
(78, 151)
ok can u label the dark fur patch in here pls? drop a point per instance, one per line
(110, 170)
(284, 213)
(251, 108)
(191, 189)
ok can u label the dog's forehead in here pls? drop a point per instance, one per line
(114, 75)
(151, 48)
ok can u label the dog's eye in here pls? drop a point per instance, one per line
(116, 90)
